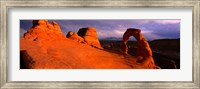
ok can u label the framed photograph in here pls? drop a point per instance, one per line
(100, 44)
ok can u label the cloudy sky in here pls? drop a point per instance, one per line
(151, 29)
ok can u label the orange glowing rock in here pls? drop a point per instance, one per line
(143, 48)
(74, 36)
(39, 22)
(85, 35)
(90, 36)
(42, 29)
(142, 44)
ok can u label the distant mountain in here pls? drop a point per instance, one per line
(111, 38)
(177, 39)
(116, 39)
(133, 39)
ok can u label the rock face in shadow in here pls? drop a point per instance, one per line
(143, 51)
(166, 53)
(26, 61)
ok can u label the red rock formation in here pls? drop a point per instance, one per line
(42, 29)
(142, 44)
(74, 36)
(43, 32)
(90, 36)
(143, 48)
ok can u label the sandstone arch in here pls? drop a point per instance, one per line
(142, 44)
(143, 51)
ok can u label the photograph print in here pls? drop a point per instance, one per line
(100, 44)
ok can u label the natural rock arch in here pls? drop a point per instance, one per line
(143, 51)
(142, 44)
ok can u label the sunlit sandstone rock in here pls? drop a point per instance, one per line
(74, 36)
(143, 51)
(85, 35)
(42, 29)
(90, 36)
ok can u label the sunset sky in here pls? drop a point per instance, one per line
(151, 29)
